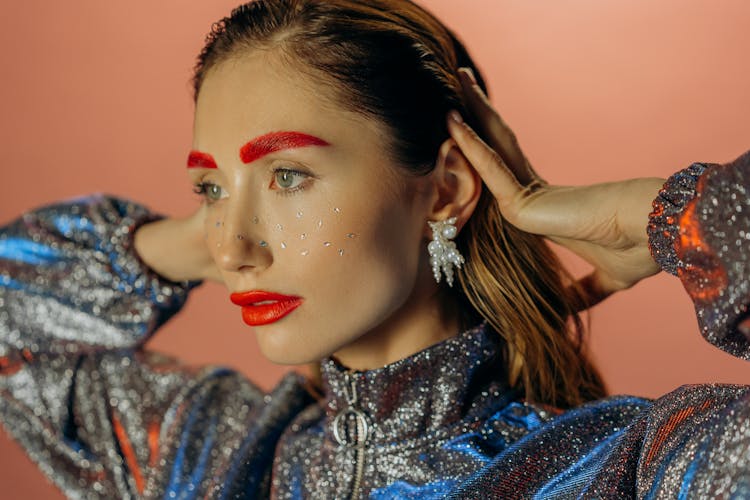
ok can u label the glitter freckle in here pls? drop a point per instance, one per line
(304, 252)
(283, 245)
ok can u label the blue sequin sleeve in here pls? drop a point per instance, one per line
(70, 280)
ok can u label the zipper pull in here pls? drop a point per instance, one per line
(351, 419)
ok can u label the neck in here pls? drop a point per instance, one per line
(421, 322)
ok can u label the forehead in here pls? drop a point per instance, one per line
(258, 92)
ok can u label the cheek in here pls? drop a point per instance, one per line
(213, 228)
(315, 232)
(360, 262)
(347, 250)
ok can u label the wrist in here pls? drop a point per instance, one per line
(171, 249)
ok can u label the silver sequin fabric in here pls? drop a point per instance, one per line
(105, 418)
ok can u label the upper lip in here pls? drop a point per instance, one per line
(254, 297)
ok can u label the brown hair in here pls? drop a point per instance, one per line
(392, 61)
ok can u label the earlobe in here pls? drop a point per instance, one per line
(458, 183)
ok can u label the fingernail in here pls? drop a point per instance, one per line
(455, 116)
(470, 73)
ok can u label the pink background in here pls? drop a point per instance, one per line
(95, 97)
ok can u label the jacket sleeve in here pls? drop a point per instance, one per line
(76, 302)
(699, 231)
(695, 441)
(71, 282)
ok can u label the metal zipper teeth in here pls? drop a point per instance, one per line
(359, 460)
(352, 400)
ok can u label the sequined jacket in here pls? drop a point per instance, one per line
(105, 418)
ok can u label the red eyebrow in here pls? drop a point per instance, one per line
(196, 159)
(276, 141)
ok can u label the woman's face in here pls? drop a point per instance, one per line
(305, 202)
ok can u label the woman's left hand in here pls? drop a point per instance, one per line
(605, 224)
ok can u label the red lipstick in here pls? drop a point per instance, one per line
(263, 308)
(277, 141)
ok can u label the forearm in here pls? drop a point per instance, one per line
(637, 204)
(175, 249)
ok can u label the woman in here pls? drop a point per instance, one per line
(331, 184)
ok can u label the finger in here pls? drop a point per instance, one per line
(492, 126)
(499, 178)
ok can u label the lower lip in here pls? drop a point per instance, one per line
(265, 314)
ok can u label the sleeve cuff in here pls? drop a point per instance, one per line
(663, 227)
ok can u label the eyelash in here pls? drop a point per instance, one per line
(201, 189)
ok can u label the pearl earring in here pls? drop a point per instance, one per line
(443, 252)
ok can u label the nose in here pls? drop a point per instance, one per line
(240, 246)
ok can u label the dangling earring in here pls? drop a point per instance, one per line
(443, 252)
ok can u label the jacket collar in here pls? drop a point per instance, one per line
(428, 391)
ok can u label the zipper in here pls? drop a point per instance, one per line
(361, 430)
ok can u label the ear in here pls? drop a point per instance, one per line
(457, 185)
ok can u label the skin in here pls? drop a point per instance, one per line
(369, 297)
(377, 302)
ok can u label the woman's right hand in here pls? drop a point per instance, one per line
(176, 248)
(605, 224)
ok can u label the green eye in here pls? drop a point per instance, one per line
(288, 179)
(213, 192)
(285, 179)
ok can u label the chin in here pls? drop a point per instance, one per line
(287, 348)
